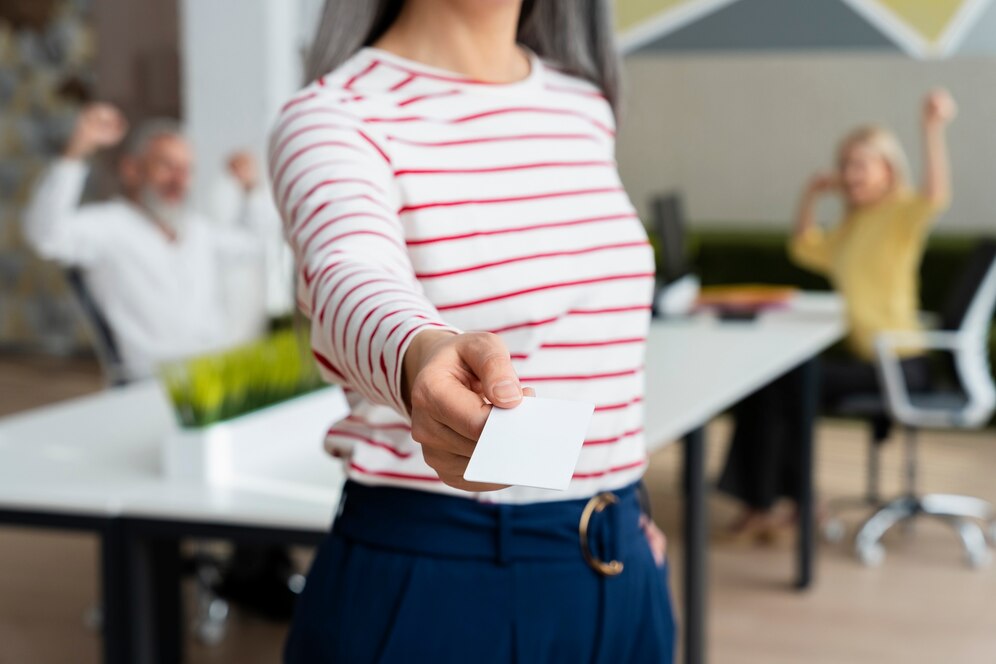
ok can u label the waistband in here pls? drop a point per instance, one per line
(433, 524)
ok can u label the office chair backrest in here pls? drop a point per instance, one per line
(669, 226)
(969, 314)
(101, 334)
(970, 303)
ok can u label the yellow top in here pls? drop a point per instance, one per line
(872, 258)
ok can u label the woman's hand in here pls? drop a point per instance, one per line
(446, 378)
(823, 183)
(939, 108)
(655, 538)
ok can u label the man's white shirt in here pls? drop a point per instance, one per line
(163, 299)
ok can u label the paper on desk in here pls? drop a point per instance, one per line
(535, 444)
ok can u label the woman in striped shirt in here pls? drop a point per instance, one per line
(448, 185)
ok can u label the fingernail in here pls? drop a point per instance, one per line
(507, 391)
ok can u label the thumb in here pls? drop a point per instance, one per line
(488, 359)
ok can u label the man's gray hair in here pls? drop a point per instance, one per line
(149, 130)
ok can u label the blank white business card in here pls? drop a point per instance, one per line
(535, 444)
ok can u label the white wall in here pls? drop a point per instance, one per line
(241, 61)
(739, 134)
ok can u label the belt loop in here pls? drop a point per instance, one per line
(504, 533)
(618, 535)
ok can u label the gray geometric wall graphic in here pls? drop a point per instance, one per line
(772, 25)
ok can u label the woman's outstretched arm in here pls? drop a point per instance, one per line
(372, 327)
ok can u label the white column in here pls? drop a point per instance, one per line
(240, 61)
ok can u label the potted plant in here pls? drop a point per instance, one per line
(240, 409)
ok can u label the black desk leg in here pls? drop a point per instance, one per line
(118, 644)
(696, 555)
(805, 425)
(155, 599)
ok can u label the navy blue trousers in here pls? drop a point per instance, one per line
(410, 576)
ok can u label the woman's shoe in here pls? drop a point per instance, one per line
(749, 529)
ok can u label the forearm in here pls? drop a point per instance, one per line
(805, 217)
(808, 246)
(79, 148)
(257, 213)
(937, 168)
(364, 319)
(338, 199)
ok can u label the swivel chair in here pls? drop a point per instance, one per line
(963, 336)
(101, 336)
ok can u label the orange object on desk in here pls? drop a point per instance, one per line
(744, 298)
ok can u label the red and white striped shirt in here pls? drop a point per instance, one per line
(415, 198)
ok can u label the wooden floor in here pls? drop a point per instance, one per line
(924, 606)
(28, 381)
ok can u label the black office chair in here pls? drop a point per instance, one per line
(967, 402)
(670, 228)
(101, 336)
(677, 285)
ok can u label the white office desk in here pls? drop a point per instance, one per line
(99, 456)
(93, 463)
(697, 367)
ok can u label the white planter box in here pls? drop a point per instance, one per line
(220, 453)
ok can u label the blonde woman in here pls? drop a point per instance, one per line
(872, 258)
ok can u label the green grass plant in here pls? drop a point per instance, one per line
(215, 388)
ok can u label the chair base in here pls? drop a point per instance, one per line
(833, 528)
(964, 513)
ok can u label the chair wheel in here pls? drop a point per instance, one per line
(834, 531)
(212, 625)
(210, 633)
(871, 555)
(296, 583)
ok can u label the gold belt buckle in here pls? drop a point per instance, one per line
(598, 503)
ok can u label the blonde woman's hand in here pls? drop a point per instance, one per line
(446, 378)
(823, 183)
(939, 107)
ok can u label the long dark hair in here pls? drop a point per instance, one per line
(575, 35)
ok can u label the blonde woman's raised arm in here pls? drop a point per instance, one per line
(939, 109)
(808, 246)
